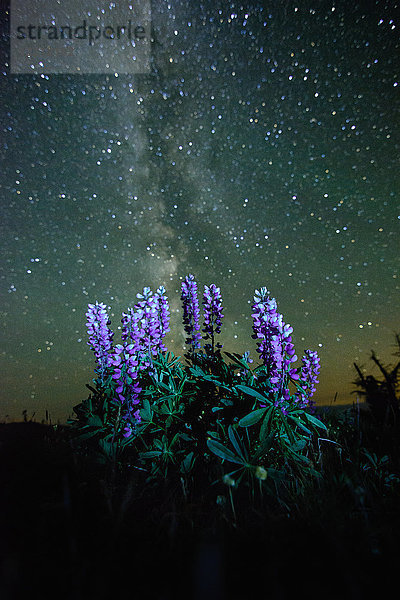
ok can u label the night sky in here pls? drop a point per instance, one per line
(261, 150)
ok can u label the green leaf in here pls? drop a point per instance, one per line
(302, 459)
(252, 392)
(146, 413)
(299, 445)
(236, 442)
(88, 434)
(108, 447)
(187, 463)
(299, 424)
(151, 454)
(197, 372)
(288, 429)
(275, 474)
(158, 444)
(94, 421)
(265, 424)
(216, 382)
(161, 384)
(315, 421)
(167, 398)
(213, 434)
(264, 447)
(223, 452)
(253, 417)
(174, 440)
(237, 359)
(227, 402)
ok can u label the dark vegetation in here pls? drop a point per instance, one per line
(79, 520)
(381, 395)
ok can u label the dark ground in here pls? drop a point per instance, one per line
(69, 530)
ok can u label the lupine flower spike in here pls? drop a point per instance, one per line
(308, 376)
(100, 334)
(274, 344)
(212, 305)
(191, 312)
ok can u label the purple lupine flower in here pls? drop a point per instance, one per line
(267, 327)
(129, 325)
(131, 421)
(125, 364)
(128, 431)
(212, 303)
(147, 323)
(246, 357)
(153, 314)
(274, 344)
(134, 331)
(163, 314)
(264, 309)
(308, 376)
(100, 335)
(146, 312)
(191, 312)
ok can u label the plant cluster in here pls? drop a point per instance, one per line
(211, 418)
(381, 395)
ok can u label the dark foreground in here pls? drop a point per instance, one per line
(73, 529)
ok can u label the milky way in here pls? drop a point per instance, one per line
(261, 150)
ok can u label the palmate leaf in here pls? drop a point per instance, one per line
(197, 372)
(168, 360)
(158, 444)
(237, 442)
(223, 452)
(161, 384)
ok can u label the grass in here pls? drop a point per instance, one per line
(75, 528)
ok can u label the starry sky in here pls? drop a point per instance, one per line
(261, 150)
